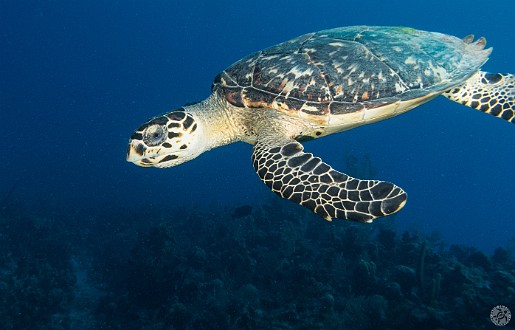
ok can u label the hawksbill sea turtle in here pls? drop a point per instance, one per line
(319, 84)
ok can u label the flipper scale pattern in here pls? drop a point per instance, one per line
(492, 93)
(307, 180)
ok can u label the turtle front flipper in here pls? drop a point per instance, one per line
(492, 93)
(308, 181)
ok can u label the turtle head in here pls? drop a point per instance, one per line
(165, 141)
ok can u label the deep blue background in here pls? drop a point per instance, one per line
(76, 78)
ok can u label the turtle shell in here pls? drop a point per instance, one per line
(345, 70)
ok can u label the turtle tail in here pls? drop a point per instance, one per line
(492, 93)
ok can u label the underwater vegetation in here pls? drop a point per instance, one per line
(277, 267)
(37, 281)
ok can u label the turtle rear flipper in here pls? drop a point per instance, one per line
(492, 93)
(308, 181)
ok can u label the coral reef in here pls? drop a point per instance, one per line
(277, 267)
(36, 278)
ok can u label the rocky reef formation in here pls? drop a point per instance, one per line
(275, 267)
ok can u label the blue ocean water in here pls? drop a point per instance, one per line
(77, 77)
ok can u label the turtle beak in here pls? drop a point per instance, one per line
(135, 152)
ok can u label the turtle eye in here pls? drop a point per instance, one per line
(154, 135)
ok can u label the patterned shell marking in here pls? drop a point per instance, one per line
(344, 70)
